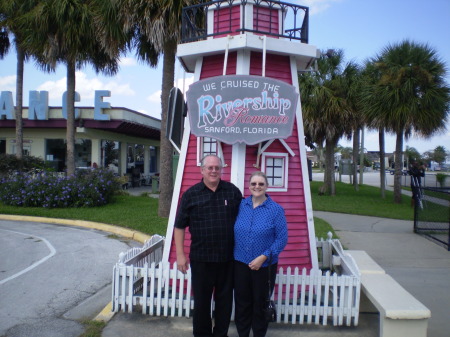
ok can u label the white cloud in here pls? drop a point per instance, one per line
(317, 6)
(183, 85)
(85, 87)
(128, 61)
(155, 97)
(8, 83)
(152, 114)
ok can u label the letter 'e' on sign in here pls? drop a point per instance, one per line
(241, 108)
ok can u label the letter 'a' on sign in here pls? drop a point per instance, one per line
(175, 117)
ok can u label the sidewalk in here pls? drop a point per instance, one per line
(419, 265)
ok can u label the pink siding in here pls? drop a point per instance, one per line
(227, 19)
(265, 20)
(277, 66)
(213, 65)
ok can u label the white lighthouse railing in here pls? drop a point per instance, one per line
(321, 296)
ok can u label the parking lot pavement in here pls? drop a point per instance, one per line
(48, 270)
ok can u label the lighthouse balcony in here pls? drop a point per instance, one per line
(246, 25)
(220, 18)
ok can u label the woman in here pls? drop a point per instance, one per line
(260, 234)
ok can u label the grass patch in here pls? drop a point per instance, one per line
(366, 201)
(322, 228)
(134, 212)
(93, 328)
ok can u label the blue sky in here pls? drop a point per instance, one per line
(362, 28)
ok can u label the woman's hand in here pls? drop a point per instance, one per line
(257, 262)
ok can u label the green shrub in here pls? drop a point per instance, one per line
(9, 164)
(87, 188)
(440, 178)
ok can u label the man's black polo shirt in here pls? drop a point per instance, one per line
(210, 217)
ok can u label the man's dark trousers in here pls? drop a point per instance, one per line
(210, 278)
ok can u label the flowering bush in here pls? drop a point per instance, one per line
(9, 164)
(88, 188)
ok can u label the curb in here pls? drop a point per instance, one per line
(106, 314)
(125, 232)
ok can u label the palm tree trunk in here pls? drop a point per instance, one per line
(166, 179)
(19, 103)
(329, 167)
(70, 136)
(355, 158)
(398, 168)
(382, 163)
(361, 159)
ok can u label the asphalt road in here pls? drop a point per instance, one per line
(52, 277)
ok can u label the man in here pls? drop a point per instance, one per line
(416, 172)
(209, 209)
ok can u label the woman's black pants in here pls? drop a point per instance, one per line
(251, 290)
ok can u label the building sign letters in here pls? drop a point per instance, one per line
(38, 105)
(241, 108)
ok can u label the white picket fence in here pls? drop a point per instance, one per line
(141, 281)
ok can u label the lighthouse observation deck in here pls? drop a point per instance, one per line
(275, 27)
(233, 17)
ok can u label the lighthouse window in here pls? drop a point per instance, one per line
(275, 166)
(207, 146)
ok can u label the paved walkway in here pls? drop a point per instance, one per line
(418, 264)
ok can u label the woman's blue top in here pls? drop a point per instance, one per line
(259, 231)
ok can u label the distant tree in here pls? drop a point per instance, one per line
(10, 11)
(371, 76)
(440, 155)
(412, 155)
(327, 115)
(411, 96)
(346, 152)
(74, 33)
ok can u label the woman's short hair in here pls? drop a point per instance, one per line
(259, 174)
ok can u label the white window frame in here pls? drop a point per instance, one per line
(200, 153)
(285, 157)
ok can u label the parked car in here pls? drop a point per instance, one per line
(392, 172)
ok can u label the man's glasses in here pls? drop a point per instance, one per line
(213, 168)
(259, 184)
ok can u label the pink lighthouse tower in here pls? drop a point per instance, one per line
(244, 106)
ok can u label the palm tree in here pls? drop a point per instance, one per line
(353, 80)
(327, 115)
(371, 76)
(157, 28)
(74, 33)
(411, 96)
(11, 10)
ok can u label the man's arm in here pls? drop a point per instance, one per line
(182, 261)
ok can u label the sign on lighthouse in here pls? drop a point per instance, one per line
(241, 108)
